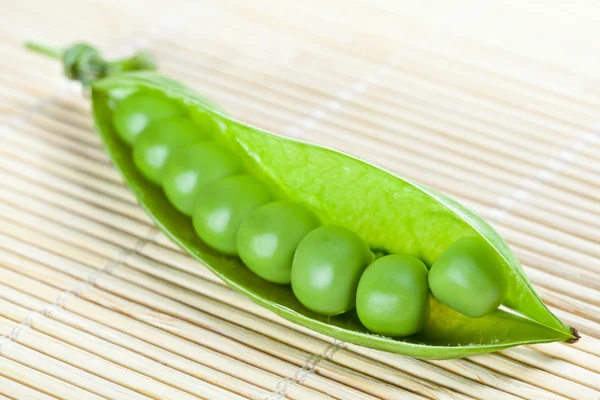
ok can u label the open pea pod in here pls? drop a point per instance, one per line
(391, 213)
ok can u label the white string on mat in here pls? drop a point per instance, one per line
(78, 289)
(544, 175)
(340, 99)
(308, 368)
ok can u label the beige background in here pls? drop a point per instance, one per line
(495, 103)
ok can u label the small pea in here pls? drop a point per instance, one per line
(136, 112)
(326, 269)
(158, 141)
(193, 167)
(469, 278)
(223, 205)
(392, 298)
(269, 236)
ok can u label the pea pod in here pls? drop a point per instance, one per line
(390, 213)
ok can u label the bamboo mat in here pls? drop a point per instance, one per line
(494, 103)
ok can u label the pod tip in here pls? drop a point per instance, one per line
(576, 336)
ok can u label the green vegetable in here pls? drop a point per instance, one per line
(327, 267)
(392, 297)
(136, 112)
(194, 167)
(223, 205)
(469, 278)
(390, 213)
(154, 146)
(268, 238)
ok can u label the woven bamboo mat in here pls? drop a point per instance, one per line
(495, 103)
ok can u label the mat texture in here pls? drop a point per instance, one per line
(494, 103)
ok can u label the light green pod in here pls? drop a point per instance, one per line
(469, 278)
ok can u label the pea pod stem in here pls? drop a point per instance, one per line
(84, 63)
(53, 52)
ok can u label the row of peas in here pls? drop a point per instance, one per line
(330, 268)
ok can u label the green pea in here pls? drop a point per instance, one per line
(326, 269)
(133, 114)
(469, 278)
(269, 236)
(392, 298)
(223, 205)
(159, 141)
(191, 168)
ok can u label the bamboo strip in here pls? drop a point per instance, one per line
(51, 138)
(18, 391)
(555, 366)
(571, 305)
(163, 383)
(527, 374)
(39, 381)
(74, 175)
(73, 123)
(101, 171)
(136, 279)
(573, 354)
(590, 345)
(559, 285)
(72, 190)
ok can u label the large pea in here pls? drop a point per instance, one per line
(469, 278)
(136, 112)
(223, 205)
(326, 269)
(392, 298)
(193, 167)
(159, 141)
(269, 236)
